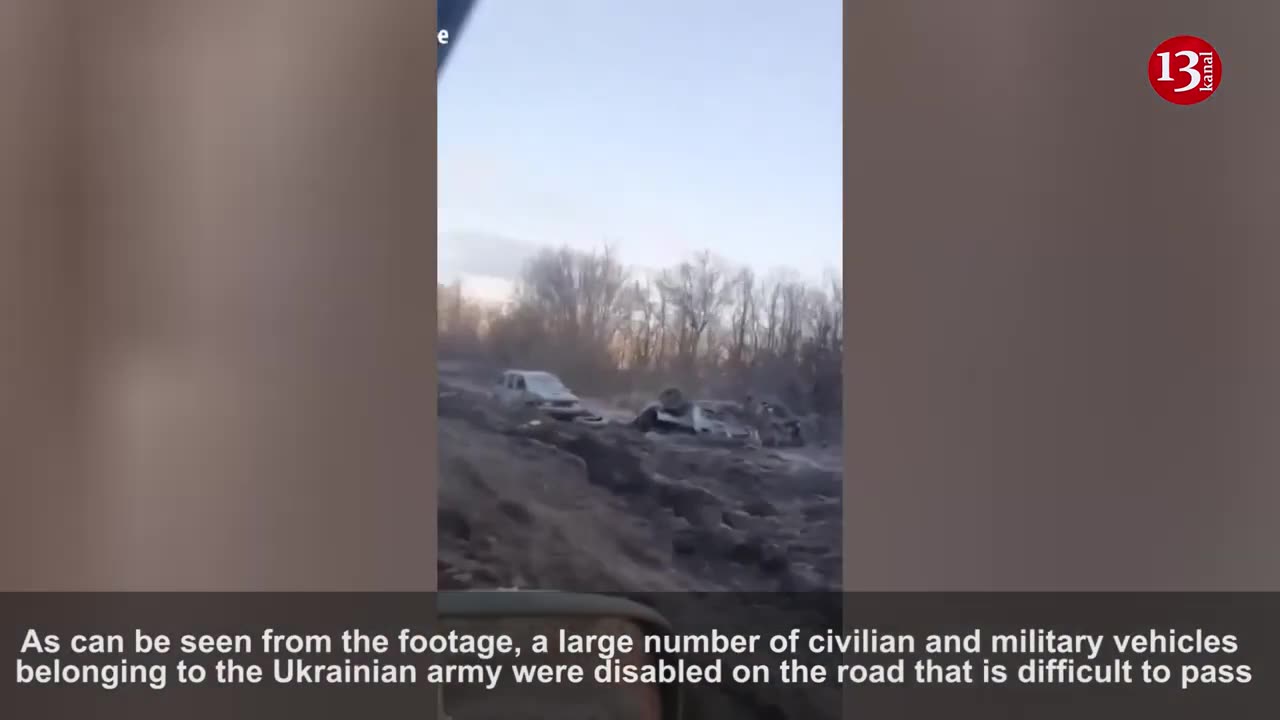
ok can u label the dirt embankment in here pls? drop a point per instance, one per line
(555, 505)
(551, 505)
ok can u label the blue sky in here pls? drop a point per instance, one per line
(663, 127)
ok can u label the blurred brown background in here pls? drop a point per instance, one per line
(1061, 299)
(216, 245)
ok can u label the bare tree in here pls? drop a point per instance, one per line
(744, 318)
(697, 290)
(601, 279)
(641, 344)
(698, 321)
(773, 317)
(549, 286)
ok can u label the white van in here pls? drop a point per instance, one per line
(544, 391)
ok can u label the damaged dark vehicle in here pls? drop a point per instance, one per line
(777, 425)
(673, 413)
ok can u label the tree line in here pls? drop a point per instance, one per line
(702, 323)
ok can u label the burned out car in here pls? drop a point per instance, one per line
(544, 392)
(673, 413)
(777, 425)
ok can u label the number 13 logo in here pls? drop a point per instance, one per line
(1184, 70)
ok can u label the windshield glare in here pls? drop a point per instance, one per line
(543, 382)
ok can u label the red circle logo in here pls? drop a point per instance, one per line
(1185, 70)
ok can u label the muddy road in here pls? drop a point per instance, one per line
(534, 503)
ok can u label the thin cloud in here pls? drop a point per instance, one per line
(482, 254)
